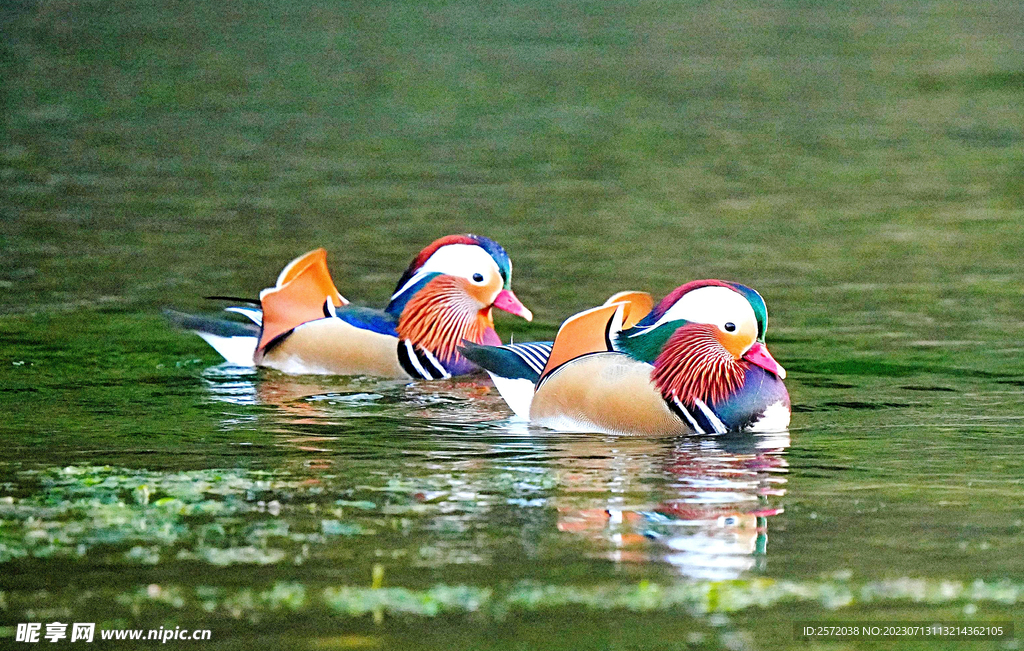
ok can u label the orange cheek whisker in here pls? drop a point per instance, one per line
(441, 315)
(694, 365)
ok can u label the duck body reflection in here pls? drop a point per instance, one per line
(468, 487)
(708, 517)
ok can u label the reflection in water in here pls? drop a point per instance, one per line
(700, 505)
(232, 384)
(322, 399)
(708, 516)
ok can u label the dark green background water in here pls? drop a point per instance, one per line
(860, 163)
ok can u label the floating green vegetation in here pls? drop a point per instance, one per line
(698, 597)
(214, 516)
(694, 598)
(220, 517)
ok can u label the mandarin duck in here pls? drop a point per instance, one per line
(304, 325)
(695, 363)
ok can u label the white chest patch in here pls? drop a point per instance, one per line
(774, 419)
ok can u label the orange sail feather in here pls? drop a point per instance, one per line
(302, 290)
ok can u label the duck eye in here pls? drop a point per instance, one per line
(730, 327)
(478, 278)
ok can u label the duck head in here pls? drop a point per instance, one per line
(449, 291)
(701, 339)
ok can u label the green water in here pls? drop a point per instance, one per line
(861, 164)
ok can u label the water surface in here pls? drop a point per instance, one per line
(859, 165)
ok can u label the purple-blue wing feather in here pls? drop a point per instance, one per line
(367, 318)
(760, 390)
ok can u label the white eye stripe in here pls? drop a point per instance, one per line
(463, 260)
(714, 305)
